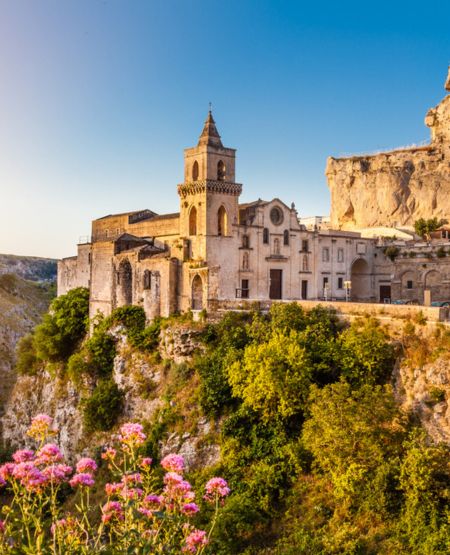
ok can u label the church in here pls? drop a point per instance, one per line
(214, 249)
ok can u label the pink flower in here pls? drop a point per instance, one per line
(48, 454)
(57, 473)
(6, 470)
(40, 426)
(132, 434)
(190, 509)
(29, 476)
(86, 465)
(23, 455)
(196, 539)
(146, 462)
(112, 489)
(110, 510)
(172, 478)
(58, 524)
(82, 479)
(177, 489)
(132, 493)
(153, 501)
(173, 463)
(2, 527)
(130, 479)
(2, 482)
(216, 487)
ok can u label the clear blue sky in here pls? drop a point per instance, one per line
(99, 98)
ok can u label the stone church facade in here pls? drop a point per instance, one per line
(215, 249)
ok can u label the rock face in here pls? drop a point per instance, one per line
(396, 187)
(426, 392)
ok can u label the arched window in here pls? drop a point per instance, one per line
(305, 263)
(147, 279)
(276, 246)
(222, 221)
(245, 261)
(245, 241)
(220, 171)
(195, 171)
(266, 235)
(193, 221)
(286, 237)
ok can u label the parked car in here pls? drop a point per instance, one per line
(441, 304)
(403, 301)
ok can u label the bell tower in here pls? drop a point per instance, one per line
(209, 195)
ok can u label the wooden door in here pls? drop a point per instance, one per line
(275, 284)
(385, 293)
(304, 289)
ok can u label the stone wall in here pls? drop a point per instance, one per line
(397, 187)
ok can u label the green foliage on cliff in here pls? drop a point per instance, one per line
(424, 227)
(102, 409)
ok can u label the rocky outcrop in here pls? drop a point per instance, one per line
(28, 267)
(179, 343)
(425, 391)
(397, 187)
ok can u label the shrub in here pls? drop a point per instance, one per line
(391, 252)
(63, 326)
(26, 355)
(103, 407)
(77, 366)
(102, 350)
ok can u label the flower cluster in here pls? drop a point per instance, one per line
(136, 516)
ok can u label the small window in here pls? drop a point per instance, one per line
(325, 282)
(193, 221)
(222, 221)
(147, 279)
(286, 237)
(409, 284)
(266, 235)
(340, 283)
(244, 289)
(245, 241)
(195, 171)
(220, 171)
(340, 255)
(325, 254)
(305, 245)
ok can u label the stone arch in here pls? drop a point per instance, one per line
(360, 278)
(433, 281)
(125, 283)
(197, 293)
(221, 171)
(222, 221)
(193, 221)
(195, 171)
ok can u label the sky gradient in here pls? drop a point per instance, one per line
(98, 99)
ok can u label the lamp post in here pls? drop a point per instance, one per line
(348, 287)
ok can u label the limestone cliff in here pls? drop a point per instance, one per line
(397, 187)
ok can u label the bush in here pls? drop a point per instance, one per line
(103, 407)
(391, 252)
(102, 350)
(63, 327)
(26, 355)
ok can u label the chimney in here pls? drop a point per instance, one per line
(447, 83)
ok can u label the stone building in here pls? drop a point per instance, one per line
(214, 248)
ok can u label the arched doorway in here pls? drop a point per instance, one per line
(360, 278)
(197, 293)
(125, 284)
(433, 282)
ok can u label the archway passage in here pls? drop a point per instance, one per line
(197, 293)
(360, 278)
(125, 283)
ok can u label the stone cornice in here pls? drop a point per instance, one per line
(210, 186)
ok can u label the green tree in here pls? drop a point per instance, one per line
(366, 353)
(63, 327)
(273, 378)
(424, 227)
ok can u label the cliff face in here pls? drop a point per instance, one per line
(397, 187)
(21, 305)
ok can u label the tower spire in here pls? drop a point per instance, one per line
(210, 136)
